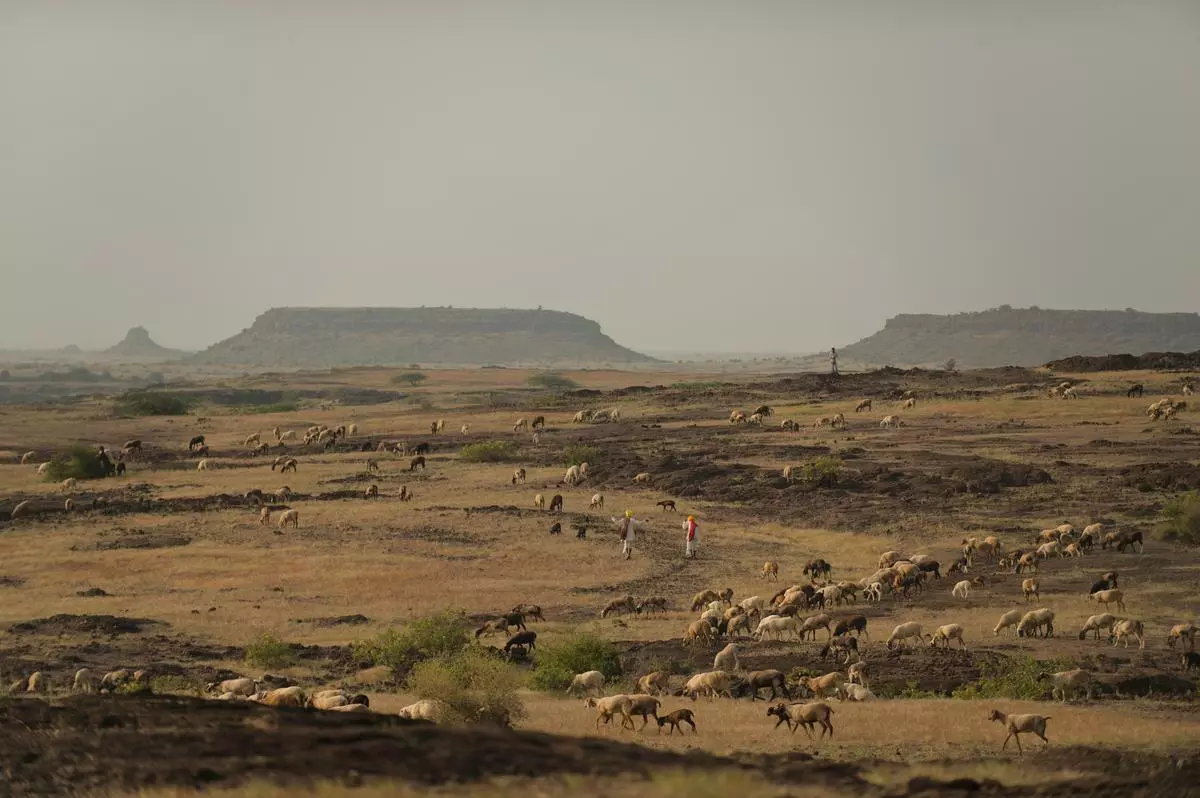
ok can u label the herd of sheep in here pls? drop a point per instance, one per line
(795, 613)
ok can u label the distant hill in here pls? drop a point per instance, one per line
(138, 345)
(326, 337)
(1022, 337)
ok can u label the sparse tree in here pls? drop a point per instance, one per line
(951, 364)
(413, 378)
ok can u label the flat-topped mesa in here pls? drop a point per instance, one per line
(1007, 336)
(324, 337)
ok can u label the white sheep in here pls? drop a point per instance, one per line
(571, 477)
(891, 421)
(1066, 682)
(587, 682)
(1020, 724)
(1107, 597)
(428, 709)
(711, 684)
(848, 691)
(85, 681)
(238, 687)
(1097, 622)
(1010, 618)
(597, 501)
(944, 634)
(25, 458)
(962, 590)
(465, 429)
(539, 501)
(607, 708)
(289, 517)
(43, 468)
(202, 465)
(1123, 630)
(69, 484)
(905, 631)
(726, 659)
(643, 478)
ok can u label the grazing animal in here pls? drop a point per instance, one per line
(818, 569)
(865, 404)
(518, 476)
(416, 461)
(195, 442)
(770, 570)
(556, 528)
(556, 503)
(674, 719)
(524, 639)
(1135, 390)
(597, 502)
(668, 505)
(539, 501)
(289, 517)
(538, 422)
(1020, 724)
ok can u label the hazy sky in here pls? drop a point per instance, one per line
(692, 175)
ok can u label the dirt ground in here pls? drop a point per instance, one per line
(168, 568)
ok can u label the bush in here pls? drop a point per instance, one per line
(574, 455)
(1015, 678)
(489, 452)
(413, 378)
(475, 685)
(441, 635)
(80, 463)
(177, 685)
(1180, 519)
(552, 382)
(556, 665)
(823, 472)
(269, 653)
(151, 403)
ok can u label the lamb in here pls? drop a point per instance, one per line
(1064, 683)
(84, 681)
(726, 659)
(1107, 597)
(643, 478)
(675, 718)
(289, 517)
(1123, 630)
(1030, 587)
(587, 683)
(1021, 724)
(770, 570)
(711, 684)
(1097, 622)
(597, 502)
(944, 634)
(429, 709)
(806, 715)
(962, 590)
(656, 683)
(1036, 620)
(905, 631)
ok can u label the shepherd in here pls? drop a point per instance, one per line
(627, 527)
(692, 528)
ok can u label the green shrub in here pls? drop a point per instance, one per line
(80, 462)
(475, 686)
(824, 472)
(413, 378)
(574, 455)
(489, 452)
(1180, 519)
(269, 653)
(910, 690)
(1015, 678)
(552, 382)
(151, 403)
(556, 664)
(441, 635)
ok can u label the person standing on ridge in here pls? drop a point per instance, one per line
(692, 528)
(627, 526)
(833, 361)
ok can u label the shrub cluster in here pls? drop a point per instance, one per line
(556, 665)
(489, 452)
